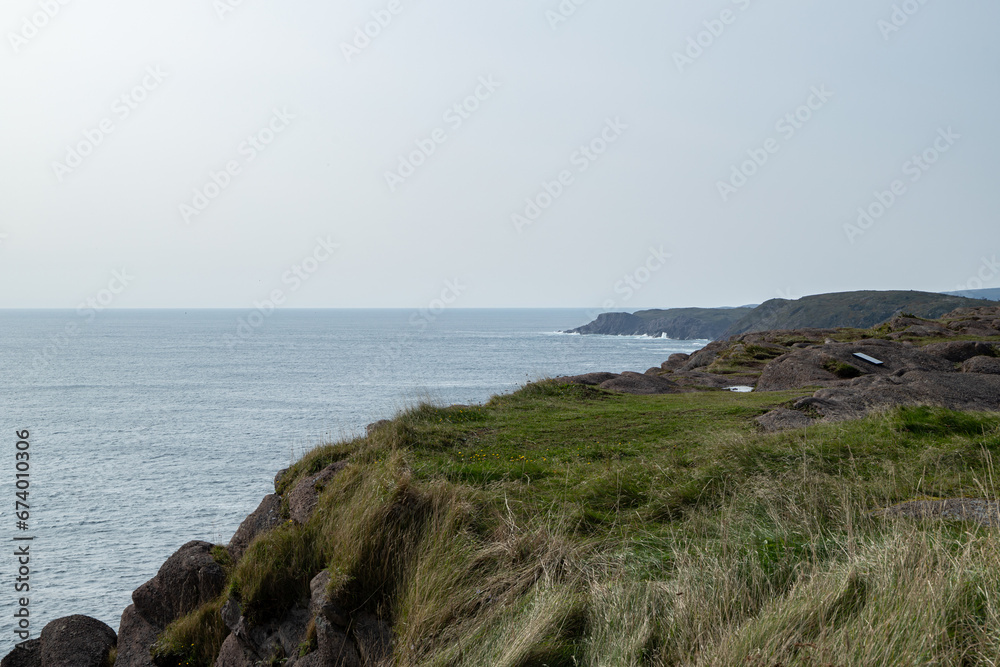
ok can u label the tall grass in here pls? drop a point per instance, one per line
(671, 543)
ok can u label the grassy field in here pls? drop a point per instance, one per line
(564, 525)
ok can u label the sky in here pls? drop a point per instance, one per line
(525, 153)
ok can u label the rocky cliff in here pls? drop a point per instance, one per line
(842, 309)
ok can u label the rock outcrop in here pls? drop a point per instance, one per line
(626, 383)
(266, 517)
(136, 636)
(303, 498)
(988, 365)
(188, 579)
(72, 641)
(828, 364)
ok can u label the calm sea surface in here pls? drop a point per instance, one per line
(153, 428)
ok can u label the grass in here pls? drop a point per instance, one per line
(842, 370)
(566, 525)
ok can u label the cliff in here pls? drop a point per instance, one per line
(620, 519)
(676, 323)
(859, 309)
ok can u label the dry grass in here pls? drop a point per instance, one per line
(687, 539)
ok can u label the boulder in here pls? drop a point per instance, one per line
(783, 419)
(188, 579)
(703, 357)
(960, 350)
(675, 361)
(925, 330)
(266, 517)
(292, 630)
(335, 648)
(702, 380)
(25, 654)
(957, 391)
(810, 366)
(637, 383)
(136, 637)
(304, 497)
(266, 640)
(76, 641)
(321, 604)
(591, 379)
(235, 654)
(988, 365)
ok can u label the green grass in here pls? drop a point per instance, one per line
(566, 525)
(842, 370)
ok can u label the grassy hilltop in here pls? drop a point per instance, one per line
(565, 525)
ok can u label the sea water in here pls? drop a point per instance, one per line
(152, 428)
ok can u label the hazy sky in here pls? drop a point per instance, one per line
(212, 152)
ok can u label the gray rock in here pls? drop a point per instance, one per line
(136, 637)
(266, 517)
(25, 654)
(303, 498)
(784, 419)
(235, 654)
(957, 391)
(335, 647)
(321, 604)
(232, 613)
(805, 367)
(960, 350)
(988, 365)
(292, 630)
(675, 361)
(76, 641)
(188, 579)
(591, 379)
(637, 383)
(703, 357)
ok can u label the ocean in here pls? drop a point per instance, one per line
(149, 429)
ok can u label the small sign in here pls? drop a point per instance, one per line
(871, 360)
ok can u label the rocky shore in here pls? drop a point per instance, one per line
(953, 361)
